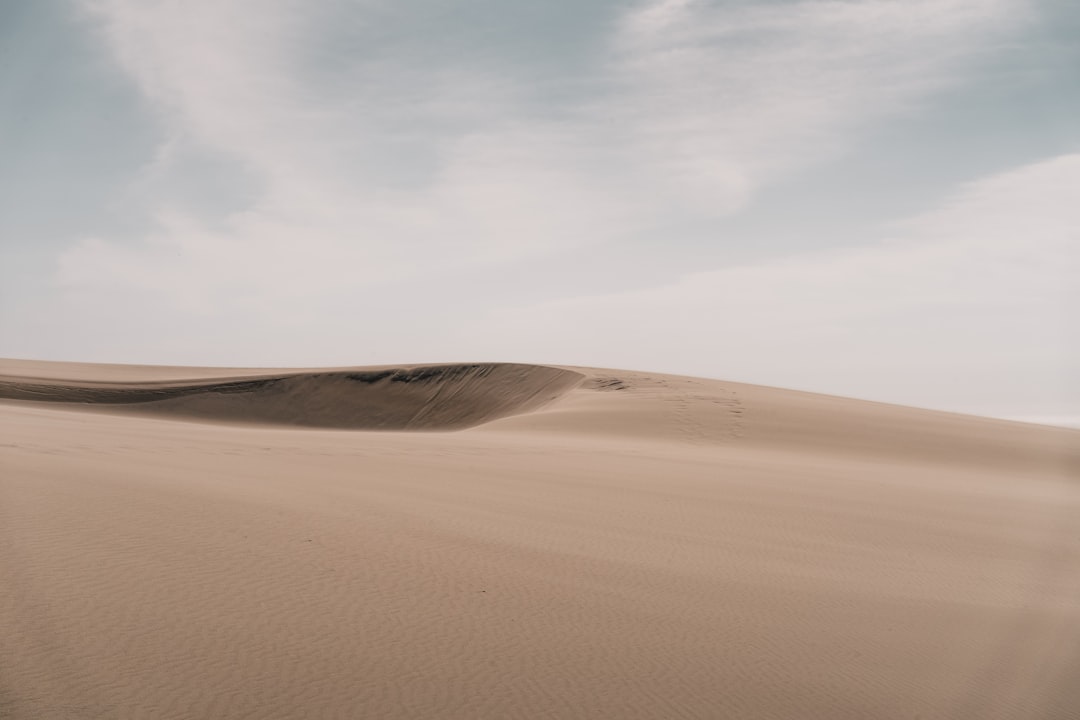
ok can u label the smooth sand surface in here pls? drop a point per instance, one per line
(520, 541)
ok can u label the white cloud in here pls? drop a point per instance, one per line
(217, 72)
(698, 105)
(720, 99)
(971, 305)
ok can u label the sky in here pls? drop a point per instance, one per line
(868, 198)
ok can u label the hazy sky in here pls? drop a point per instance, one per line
(874, 198)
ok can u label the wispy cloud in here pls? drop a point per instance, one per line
(719, 99)
(403, 165)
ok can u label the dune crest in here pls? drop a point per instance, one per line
(435, 397)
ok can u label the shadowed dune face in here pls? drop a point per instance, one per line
(437, 397)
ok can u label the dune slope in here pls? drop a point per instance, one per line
(437, 397)
(188, 543)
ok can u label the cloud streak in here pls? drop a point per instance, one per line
(725, 98)
(697, 105)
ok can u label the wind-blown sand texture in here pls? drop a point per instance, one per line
(208, 543)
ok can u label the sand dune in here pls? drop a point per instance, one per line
(208, 542)
(436, 397)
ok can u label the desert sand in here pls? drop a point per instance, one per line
(515, 541)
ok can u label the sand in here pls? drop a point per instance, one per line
(512, 541)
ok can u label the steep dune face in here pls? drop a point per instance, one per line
(438, 397)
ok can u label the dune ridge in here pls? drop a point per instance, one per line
(568, 400)
(433, 397)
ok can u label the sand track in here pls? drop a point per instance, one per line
(435, 397)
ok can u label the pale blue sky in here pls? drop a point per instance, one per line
(870, 198)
